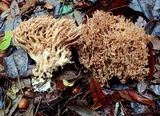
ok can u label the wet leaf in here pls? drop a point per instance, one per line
(16, 64)
(83, 111)
(131, 95)
(156, 89)
(125, 95)
(6, 41)
(14, 9)
(138, 98)
(142, 86)
(107, 104)
(66, 83)
(15, 104)
(96, 91)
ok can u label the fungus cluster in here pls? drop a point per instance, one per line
(112, 46)
(47, 41)
(108, 46)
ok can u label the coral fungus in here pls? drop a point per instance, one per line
(112, 46)
(47, 41)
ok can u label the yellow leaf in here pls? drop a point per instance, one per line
(66, 83)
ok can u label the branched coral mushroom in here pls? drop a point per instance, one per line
(111, 46)
(47, 41)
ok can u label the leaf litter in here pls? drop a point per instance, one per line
(74, 92)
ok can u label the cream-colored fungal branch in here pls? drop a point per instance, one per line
(47, 41)
(111, 46)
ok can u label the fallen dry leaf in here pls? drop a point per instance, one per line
(138, 98)
(3, 6)
(133, 96)
(96, 91)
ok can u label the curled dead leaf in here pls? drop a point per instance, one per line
(3, 6)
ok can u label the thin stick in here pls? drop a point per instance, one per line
(38, 105)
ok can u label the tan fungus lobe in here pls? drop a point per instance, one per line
(112, 46)
(47, 41)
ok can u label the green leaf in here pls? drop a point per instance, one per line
(66, 9)
(66, 83)
(6, 41)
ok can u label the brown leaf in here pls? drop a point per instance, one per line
(96, 91)
(3, 6)
(107, 103)
(139, 98)
(131, 95)
(97, 94)
(125, 95)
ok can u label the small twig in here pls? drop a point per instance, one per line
(110, 2)
(69, 100)
(38, 105)
(59, 110)
(126, 114)
(117, 7)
